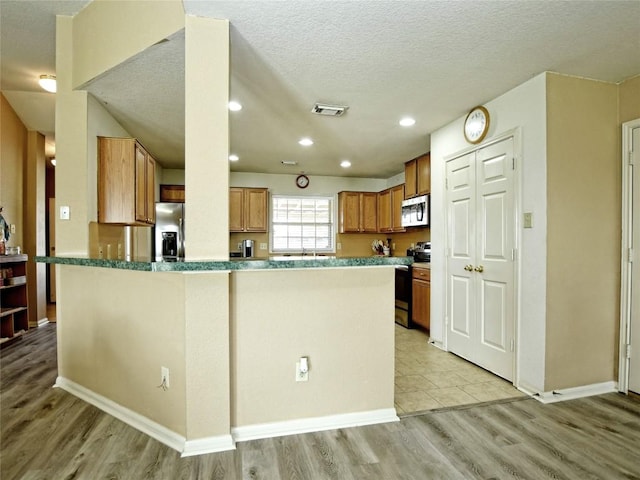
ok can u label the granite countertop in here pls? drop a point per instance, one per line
(242, 264)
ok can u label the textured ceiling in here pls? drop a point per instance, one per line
(432, 60)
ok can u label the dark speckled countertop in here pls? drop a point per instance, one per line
(236, 264)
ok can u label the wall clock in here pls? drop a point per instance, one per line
(476, 125)
(302, 181)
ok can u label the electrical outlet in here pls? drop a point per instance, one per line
(100, 251)
(65, 213)
(339, 246)
(302, 375)
(393, 246)
(164, 377)
(13, 228)
(119, 251)
(263, 246)
(240, 246)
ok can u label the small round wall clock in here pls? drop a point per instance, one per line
(476, 125)
(302, 181)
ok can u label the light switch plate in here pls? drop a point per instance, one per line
(528, 220)
(64, 213)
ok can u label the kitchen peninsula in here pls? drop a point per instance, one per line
(230, 332)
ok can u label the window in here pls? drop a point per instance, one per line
(301, 224)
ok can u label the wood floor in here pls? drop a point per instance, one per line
(47, 433)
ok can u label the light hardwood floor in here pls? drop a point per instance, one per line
(47, 433)
(428, 378)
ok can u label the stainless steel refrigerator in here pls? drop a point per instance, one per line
(168, 235)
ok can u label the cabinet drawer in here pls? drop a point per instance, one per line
(421, 273)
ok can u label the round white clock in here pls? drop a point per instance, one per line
(476, 125)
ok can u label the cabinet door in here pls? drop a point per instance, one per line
(369, 212)
(349, 211)
(424, 174)
(384, 211)
(397, 195)
(421, 302)
(410, 181)
(141, 185)
(255, 211)
(236, 212)
(150, 181)
(116, 180)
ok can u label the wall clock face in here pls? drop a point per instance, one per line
(302, 181)
(476, 125)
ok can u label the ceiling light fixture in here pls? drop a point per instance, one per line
(235, 106)
(48, 82)
(305, 142)
(289, 162)
(233, 157)
(407, 122)
(345, 164)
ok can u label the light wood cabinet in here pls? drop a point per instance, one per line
(126, 182)
(14, 318)
(421, 296)
(358, 212)
(417, 176)
(390, 209)
(248, 209)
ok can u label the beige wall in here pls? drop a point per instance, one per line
(106, 33)
(583, 238)
(629, 99)
(13, 153)
(337, 317)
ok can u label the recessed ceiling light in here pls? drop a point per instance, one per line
(407, 122)
(289, 162)
(233, 157)
(234, 106)
(345, 164)
(305, 142)
(48, 82)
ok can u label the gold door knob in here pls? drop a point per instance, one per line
(479, 269)
(468, 268)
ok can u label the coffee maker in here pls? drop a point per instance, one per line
(247, 248)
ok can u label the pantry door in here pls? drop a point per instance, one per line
(480, 261)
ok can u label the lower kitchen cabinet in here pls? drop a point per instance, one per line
(14, 319)
(421, 296)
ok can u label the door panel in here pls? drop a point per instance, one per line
(481, 236)
(634, 298)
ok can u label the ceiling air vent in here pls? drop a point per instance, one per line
(329, 110)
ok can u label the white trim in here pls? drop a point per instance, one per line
(315, 424)
(220, 443)
(625, 268)
(576, 392)
(145, 425)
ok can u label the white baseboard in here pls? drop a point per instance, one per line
(576, 392)
(314, 424)
(146, 426)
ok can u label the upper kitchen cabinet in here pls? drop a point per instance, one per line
(358, 212)
(390, 209)
(248, 209)
(417, 176)
(126, 182)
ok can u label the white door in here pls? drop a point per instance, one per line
(634, 297)
(480, 264)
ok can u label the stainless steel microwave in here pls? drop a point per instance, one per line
(415, 211)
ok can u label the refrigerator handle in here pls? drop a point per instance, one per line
(181, 238)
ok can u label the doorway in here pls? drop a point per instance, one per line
(629, 376)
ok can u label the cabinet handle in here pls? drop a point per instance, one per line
(479, 269)
(468, 268)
